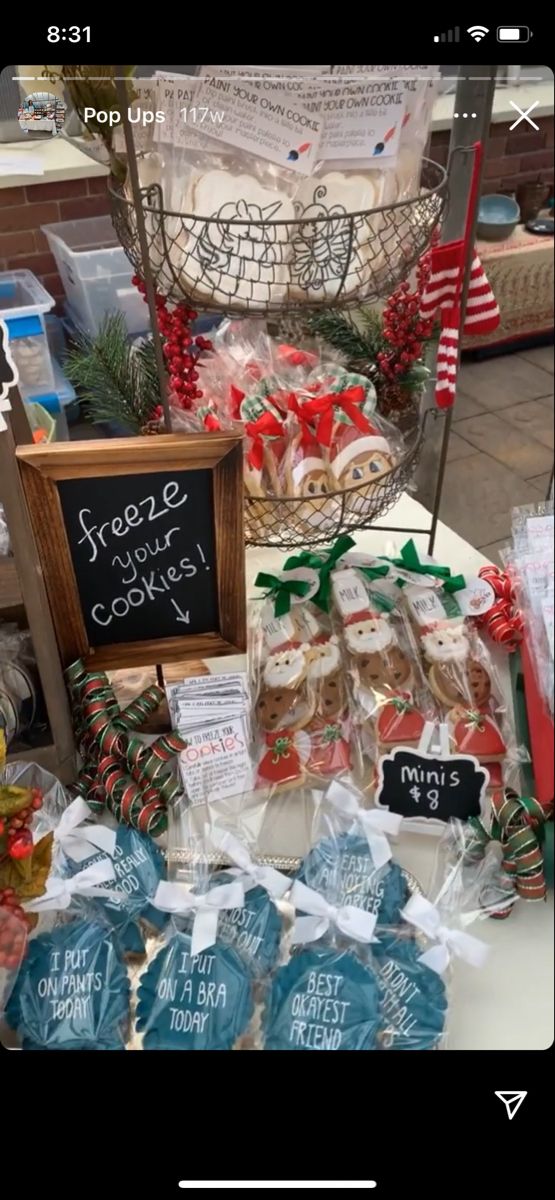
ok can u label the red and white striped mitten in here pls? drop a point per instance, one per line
(442, 294)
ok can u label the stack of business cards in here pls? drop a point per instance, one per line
(212, 714)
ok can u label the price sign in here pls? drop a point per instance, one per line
(427, 787)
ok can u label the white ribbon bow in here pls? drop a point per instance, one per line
(451, 942)
(79, 840)
(376, 822)
(176, 898)
(353, 922)
(60, 892)
(271, 880)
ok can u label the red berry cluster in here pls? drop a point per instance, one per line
(13, 929)
(19, 839)
(181, 350)
(403, 327)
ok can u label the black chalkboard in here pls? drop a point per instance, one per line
(415, 784)
(143, 550)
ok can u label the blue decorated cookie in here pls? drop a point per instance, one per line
(254, 931)
(323, 1000)
(72, 992)
(138, 867)
(200, 1003)
(413, 998)
(343, 871)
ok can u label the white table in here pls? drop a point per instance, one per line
(509, 1004)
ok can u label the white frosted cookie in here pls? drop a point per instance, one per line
(244, 263)
(325, 251)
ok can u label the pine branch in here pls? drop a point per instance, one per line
(342, 334)
(119, 382)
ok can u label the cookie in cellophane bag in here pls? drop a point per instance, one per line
(388, 690)
(462, 677)
(72, 990)
(195, 992)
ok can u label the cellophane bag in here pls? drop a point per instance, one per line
(389, 695)
(72, 990)
(467, 687)
(354, 979)
(195, 991)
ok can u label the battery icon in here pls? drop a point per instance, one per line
(513, 33)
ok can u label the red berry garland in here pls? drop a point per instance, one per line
(181, 350)
(403, 327)
(19, 839)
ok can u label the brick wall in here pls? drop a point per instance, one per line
(511, 158)
(24, 209)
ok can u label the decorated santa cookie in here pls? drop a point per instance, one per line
(286, 668)
(446, 643)
(366, 634)
(357, 458)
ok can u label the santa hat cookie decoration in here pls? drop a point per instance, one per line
(356, 457)
(368, 634)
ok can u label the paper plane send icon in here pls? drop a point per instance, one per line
(512, 1101)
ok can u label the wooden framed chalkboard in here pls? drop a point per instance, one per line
(141, 545)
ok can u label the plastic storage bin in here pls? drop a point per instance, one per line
(23, 303)
(96, 273)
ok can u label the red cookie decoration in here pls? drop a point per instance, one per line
(476, 733)
(399, 723)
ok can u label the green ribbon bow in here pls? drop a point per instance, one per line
(410, 561)
(282, 590)
(324, 565)
(518, 824)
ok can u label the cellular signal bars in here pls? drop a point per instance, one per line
(452, 35)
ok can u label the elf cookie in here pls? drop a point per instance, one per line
(413, 998)
(187, 1002)
(343, 870)
(323, 1000)
(72, 991)
(357, 458)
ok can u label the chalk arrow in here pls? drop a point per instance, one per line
(183, 617)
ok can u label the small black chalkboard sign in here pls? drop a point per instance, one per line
(143, 552)
(141, 546)
(429, 787)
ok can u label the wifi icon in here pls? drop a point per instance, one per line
(477, 32)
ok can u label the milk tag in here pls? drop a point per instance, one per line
(425, 605)
(276, 630)
(349, 592)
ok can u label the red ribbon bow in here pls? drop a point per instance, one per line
(503, 621)
(266, 426)
(322, 407)
(308, 439)
(236, 397)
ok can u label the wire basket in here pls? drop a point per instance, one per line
(290, 521)
(324, 258)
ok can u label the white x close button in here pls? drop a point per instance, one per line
(524, 115)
